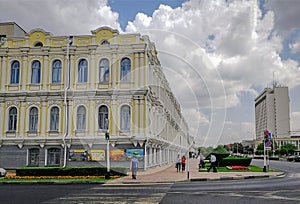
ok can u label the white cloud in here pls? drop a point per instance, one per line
(215, 49)
(220, 49)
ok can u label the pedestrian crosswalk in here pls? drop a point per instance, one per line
(123, 193)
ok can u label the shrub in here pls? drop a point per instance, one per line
(70, 171)
(235, 161)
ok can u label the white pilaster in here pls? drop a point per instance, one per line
(24, 71)
(136, 70)
(114, 116)
(43, 117)
(114, 70)
(3, 74)
(142, 70)
(92, 72)
(45, 72)
(136, 117)
(92, 118)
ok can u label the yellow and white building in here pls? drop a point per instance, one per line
(60, 95)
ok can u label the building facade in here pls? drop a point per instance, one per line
(272, 112)
(60, 96)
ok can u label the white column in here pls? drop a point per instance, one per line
(3, 74)
(24, 72)
(114, 72)
(92, 119)
(142, 119)
(136, 117)
(70, 118)
(22, 117)
(114, 116)
(1, 124)
(72, 71)
(142, 70)
(92, 72)
(136, 70)
(43, 118)
(45, 72)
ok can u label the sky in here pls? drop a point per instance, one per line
(223, 52)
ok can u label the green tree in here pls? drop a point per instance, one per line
(237, 148)
(220, 150)
(288, 149)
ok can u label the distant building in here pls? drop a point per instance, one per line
(272, 112)
(61, 95)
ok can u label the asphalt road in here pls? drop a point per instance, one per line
(279, 190)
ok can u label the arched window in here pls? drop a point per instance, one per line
(56, 71)
(38, 44)
(125, 69)
(81, 118)
(13, 117)
(104, 42)
(15, 72)
(36, 72)
(103, 118)
(33, 157)
(53, 158)
(82, 71)
(33, 119)
(54, 119)
(104, 71)
(125, 118)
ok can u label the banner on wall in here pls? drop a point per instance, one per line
(77, 155)
(134, 152)
(97, 155)
(117, 154)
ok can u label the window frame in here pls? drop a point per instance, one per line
(15, 73)
(103, 118)
(81, 118)
(12, 119)
(36, 72)
(56, 71)
(82, 71)
(33, 119)
(104, 72)
(125, 69)
(125, 118)
(54, 119)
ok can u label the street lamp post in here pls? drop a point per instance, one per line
(107, 176)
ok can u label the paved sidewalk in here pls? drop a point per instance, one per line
(168, 173)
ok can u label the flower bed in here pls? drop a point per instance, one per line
(238, 167)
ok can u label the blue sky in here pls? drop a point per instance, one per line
(128, 9)
(223, 52)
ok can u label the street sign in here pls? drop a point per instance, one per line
(268, 148)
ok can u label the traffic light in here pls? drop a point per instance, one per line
(266, 136)
(107, 136)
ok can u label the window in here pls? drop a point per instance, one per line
(15, 73)
(54, 119)
(56, 71)
(103, 118)
(53, 157)
(38, 44)
(125, 117)
(104, 42)
(12, 122)
(33, 119)
(81, 118)
(33, 157)
(36, 72)
(125, 69)
(82, 71)
(104, 70)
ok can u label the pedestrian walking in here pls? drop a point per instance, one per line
(213, 161)
(183, 160)
(134, 166)
(178, 164)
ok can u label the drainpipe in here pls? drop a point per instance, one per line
(66, 120)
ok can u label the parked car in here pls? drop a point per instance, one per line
(297, 158)
(290, 158)
(2, 172)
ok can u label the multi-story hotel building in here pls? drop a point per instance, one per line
(272, 112)
(60, 95)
